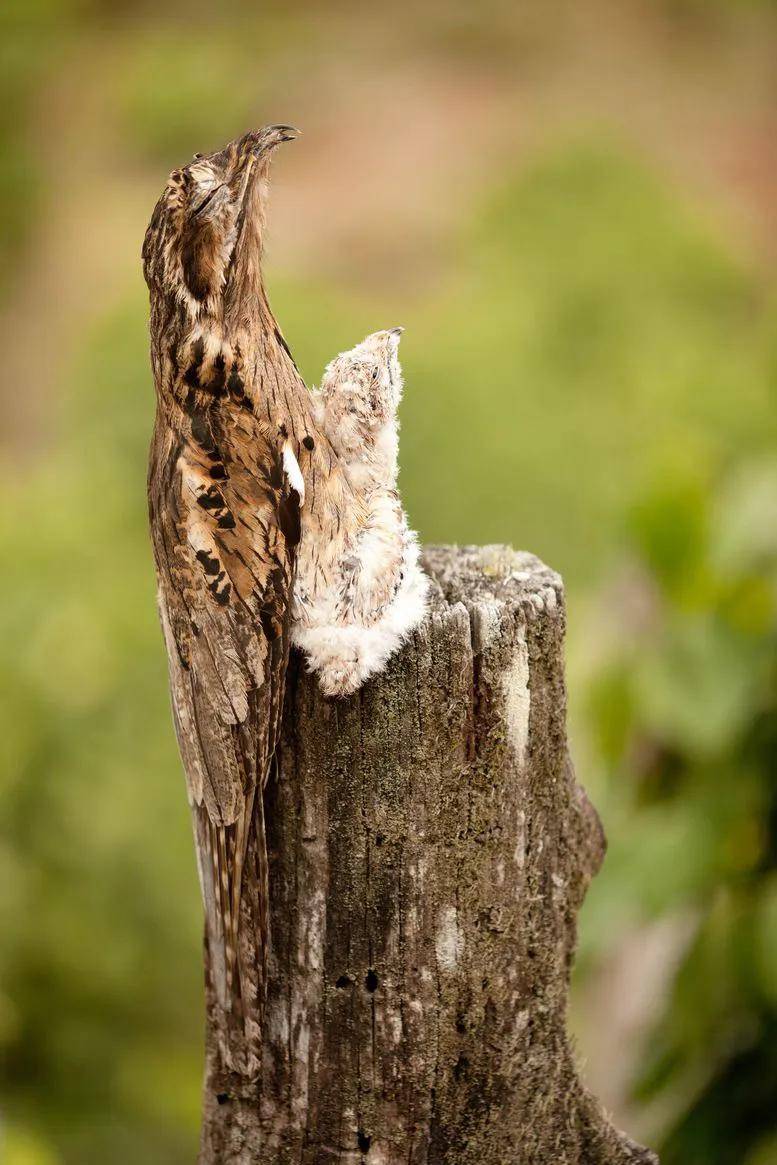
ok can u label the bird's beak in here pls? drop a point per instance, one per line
(274, 135)
(260, 142)
(252, 147)
(396, 331)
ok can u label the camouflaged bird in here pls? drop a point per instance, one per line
(360, 590)
(235, 445)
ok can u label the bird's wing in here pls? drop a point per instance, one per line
(225, 548)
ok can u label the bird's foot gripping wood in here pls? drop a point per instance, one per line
(429, 849)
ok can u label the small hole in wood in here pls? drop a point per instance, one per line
(344, 982)
(371, 981)
(222, 1097)
(379, 839)
(364, 1141)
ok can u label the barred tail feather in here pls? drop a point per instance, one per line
(232, 862)
(253, 939)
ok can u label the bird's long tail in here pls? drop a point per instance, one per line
(234, 878)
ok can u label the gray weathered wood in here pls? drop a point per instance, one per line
(429, 851)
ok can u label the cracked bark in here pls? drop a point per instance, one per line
(429, 850)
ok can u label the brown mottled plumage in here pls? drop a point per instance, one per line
(233, 414)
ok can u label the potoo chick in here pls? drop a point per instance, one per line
(359, 589)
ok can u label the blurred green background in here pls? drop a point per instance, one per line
(571, 208)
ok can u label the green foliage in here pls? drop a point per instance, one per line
(595, 335)
(180, 87)
(99, 899)
(692, 768)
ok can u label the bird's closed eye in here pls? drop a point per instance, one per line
(208, 197)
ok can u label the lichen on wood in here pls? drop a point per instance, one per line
(429, 851)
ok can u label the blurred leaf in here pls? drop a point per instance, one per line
(670, 529)
(747, 519)
(191, 86)
(24, 1147)
(766, 940)
(764, 1152)
(696, 688)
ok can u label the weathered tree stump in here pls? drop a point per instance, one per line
(429, 852)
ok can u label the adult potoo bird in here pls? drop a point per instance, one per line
(234, 421)
(360, 590)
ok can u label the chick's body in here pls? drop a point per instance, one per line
(359, 589)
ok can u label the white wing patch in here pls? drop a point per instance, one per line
(293, 472)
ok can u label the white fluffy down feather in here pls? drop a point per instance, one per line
(360, 590)
(345, 655)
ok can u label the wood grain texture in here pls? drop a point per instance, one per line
(429, 850)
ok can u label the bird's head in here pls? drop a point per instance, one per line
(364, 386)
(203, 246)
